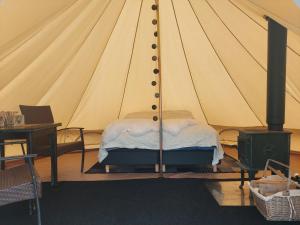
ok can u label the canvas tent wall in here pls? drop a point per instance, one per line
(91, 59)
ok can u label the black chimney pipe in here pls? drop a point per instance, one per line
(277, 40)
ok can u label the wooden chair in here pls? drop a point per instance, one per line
(21, 182)
(43, 114)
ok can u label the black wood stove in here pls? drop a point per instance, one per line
(256, 146)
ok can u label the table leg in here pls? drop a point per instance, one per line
(2, 154)
(242, 178)
(53, 143)
(29, 143)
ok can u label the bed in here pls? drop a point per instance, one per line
(134, 140)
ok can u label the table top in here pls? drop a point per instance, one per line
(28, 127)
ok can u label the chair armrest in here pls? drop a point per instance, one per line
(71, 128)
(13, 143)
(79, 130)
(29, 156)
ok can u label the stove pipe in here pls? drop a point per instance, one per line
(277, 40)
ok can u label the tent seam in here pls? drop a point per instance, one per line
(252, 56)
(188, 65)
(79, 101)
(38, 55)
(259, 24)
(37, 30)
(225, 66)
(76, 52)
(131, 56)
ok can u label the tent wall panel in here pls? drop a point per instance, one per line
(206, 68)
(19, 39)
(66, 92)
(293, 39)
(292, 113)
(285, 12)
(19, 16)
(101, 102)
(139, 93)
(254, 39)
(178, 90)
(244, 70)
(32, 82)
(20, 58)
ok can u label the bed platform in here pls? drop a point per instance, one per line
(200, 156)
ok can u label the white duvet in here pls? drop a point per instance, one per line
(143, 133)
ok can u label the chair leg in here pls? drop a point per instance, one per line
(38, 211)
(23, 150)
(37, 203)
(35, 191)
(82, 159)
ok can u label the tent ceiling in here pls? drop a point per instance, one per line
(91, 60)
(286, 12)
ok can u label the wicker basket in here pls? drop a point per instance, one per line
(281, 206)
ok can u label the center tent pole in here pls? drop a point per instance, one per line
(158, 72)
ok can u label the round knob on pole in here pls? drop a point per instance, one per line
(154, 7)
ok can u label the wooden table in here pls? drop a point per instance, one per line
(31, 132)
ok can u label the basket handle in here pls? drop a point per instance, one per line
(276, 171)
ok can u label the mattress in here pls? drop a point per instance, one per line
(180, 130)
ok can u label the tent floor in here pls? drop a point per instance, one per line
(132, 202)
(226, 193)
(69, 168)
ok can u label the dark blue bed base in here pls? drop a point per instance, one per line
(184, 156)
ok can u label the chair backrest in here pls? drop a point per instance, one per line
(37, 114)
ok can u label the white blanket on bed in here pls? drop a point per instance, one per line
(144, 134)
(139, 127)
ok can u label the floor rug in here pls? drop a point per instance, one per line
(228, 165)
(131, 202)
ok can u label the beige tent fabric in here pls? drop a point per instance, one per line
(67, 92)
(285, 12)
(22, 56)
(177, 84)
(213, 95)
(100, 103)
(25, 17)
(91, 59)
(138, 92)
